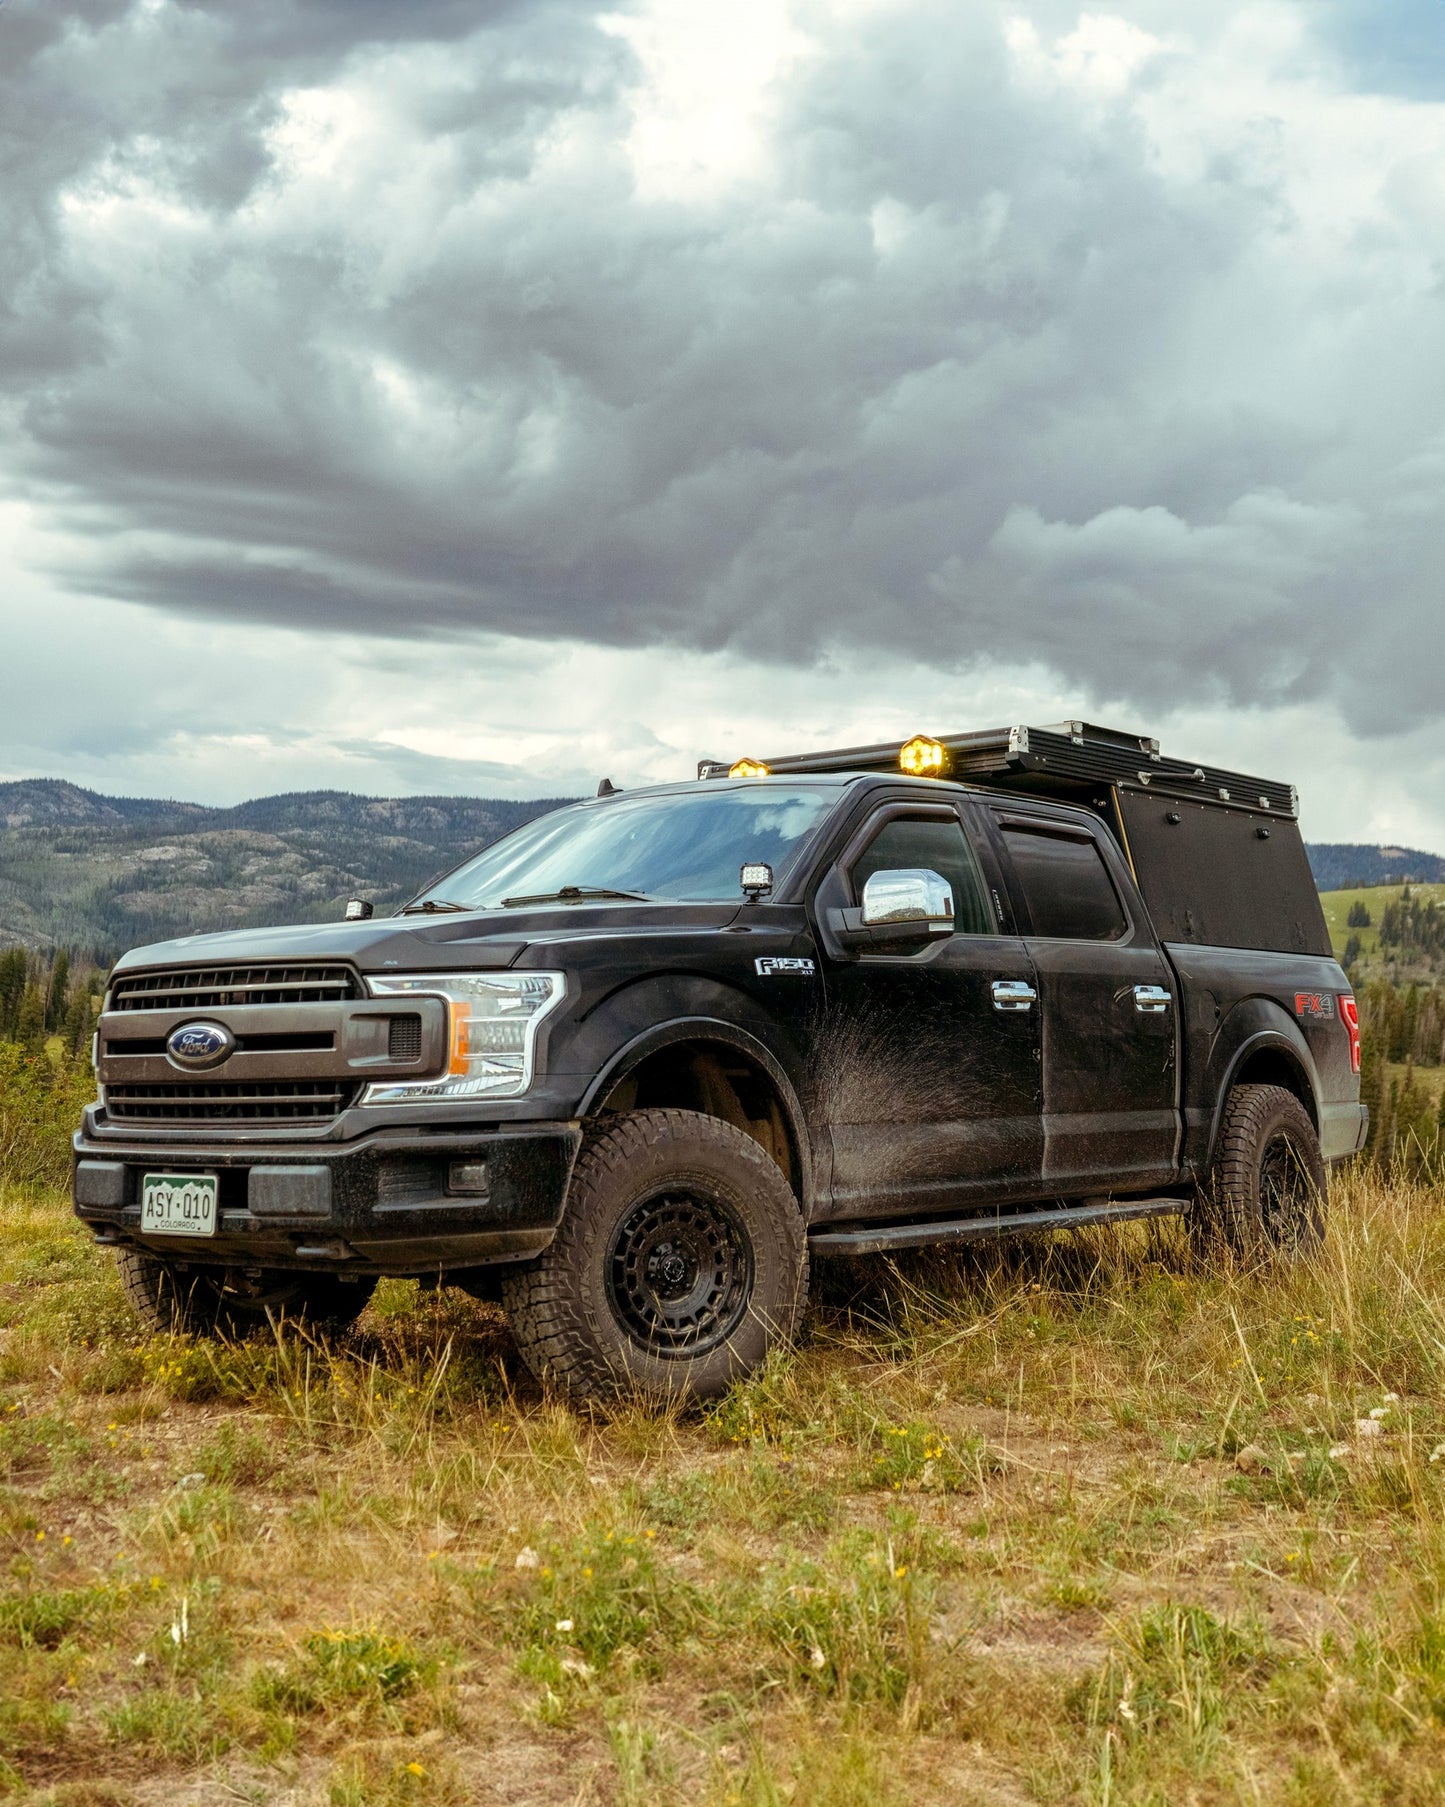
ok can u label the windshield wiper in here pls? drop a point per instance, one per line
(432, 907)
(570, 894)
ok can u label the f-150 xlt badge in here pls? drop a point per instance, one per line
(770, 965)
(196, 1046)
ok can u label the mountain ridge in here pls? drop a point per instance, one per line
(1347, 865)
(99, 874)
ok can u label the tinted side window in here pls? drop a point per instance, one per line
(1070, 894)
(940, 847)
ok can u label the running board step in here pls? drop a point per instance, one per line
(845, 1241)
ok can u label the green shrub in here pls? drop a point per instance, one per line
(45, 1618)
(353, 1664)
(603, 1593)
(916, 1456)
(40, 1107)
(168, 1722)
(364, 1667)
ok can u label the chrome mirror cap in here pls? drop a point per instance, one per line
(909, 894)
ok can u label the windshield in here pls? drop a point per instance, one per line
(683, 845)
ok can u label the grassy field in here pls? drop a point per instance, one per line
(1374, 897)
(1070, 1522)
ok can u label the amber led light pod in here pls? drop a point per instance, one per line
(922, 757)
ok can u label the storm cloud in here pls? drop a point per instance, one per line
(1109, 342)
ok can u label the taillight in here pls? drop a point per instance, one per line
(1350, 1017)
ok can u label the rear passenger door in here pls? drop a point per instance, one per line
(1109, 1013)
(928, 1067)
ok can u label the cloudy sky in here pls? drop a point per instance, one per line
(484, 395)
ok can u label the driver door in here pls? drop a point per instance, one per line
(928, 1069)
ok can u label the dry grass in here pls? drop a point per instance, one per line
(1069, 1522)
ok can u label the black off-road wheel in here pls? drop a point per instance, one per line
(680, 1261)
(217, 1302)
(1267, 1188)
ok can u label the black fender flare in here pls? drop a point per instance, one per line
(1271, 1031)
(705, 1029)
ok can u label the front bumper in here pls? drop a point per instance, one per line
(380, 1205)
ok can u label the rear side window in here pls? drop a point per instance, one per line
(1067, 886)
(938, 846)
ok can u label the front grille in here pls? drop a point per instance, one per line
(212, 987)
(403, 1041)
(264, 1101)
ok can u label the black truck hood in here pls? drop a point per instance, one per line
(481, 939)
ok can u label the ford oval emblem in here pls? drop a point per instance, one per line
(195, 1046)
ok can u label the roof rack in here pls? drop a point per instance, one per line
(1065, 759)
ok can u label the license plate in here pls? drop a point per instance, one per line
(178, 1204)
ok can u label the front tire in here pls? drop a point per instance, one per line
(680, 1261)
(200, 1303)
(1267, 1186)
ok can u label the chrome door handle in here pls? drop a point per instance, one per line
(1151, 1000)
(1013, 994)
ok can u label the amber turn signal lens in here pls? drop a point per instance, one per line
(748, 768)
(922, 757)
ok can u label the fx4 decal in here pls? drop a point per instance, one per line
(769, 964)
(1315, 1006)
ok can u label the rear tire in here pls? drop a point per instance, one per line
(679, 1263)
(200, 1303)
(1267, 1187)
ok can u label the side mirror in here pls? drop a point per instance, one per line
(912, 895)
(909, 904)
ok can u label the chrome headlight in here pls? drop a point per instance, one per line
(492, 1023)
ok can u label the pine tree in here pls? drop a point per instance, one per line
(1430, 1028)
(1386, 1144)
(79, 1020)
(1372, 1094)
(1397, 1044)
(56, 999)
(12, 987)
(1411, 1023)
(30, 1020)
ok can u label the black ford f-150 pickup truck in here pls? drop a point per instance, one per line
(627, 1066)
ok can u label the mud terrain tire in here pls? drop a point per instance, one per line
(680, 1261)
(199, 1303)
(1267, 1187)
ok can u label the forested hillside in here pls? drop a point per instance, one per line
(1391, 942)
(1349, 865)
(100, 874)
